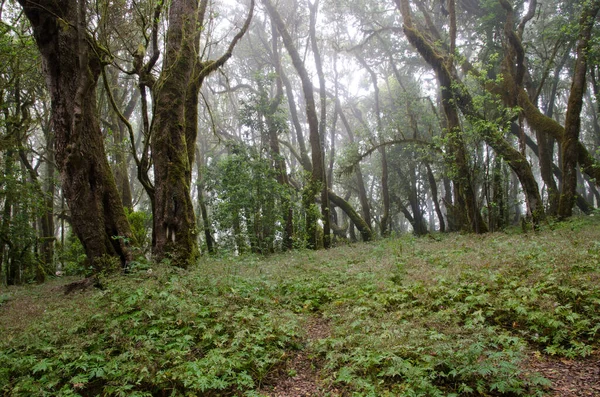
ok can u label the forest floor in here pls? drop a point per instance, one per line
(445, 315)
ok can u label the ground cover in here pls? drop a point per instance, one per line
(500, 314)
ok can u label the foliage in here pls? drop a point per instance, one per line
(247, 201)
(72, 257)
(17, 231)
(445, 316)
(141, 223)
(21, 200)
(153, 331)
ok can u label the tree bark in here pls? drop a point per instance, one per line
(318, 172)
(363, 228)
(174, 218)
(322, 124)
(569, 144)
(72, 67)
(434, 197)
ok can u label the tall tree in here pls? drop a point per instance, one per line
(456, 146)
(72, 64)
(317, 181)
(175, 127)
(174, 219)
(569, 144)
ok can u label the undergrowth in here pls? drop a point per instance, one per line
(452, 315)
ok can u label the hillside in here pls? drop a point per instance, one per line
(499, 314)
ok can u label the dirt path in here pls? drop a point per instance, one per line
(300, 376)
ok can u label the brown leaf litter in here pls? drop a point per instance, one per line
(570, 378)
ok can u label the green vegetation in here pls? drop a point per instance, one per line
(245, 201)
(438, 316)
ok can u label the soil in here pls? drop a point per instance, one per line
(570, 378)
(300, 376)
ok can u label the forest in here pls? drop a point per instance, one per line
(230, 191)
(133, 128)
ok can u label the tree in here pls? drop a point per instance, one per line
(570, 141)
(175, 126)
(456, 147)
(317, 181)
(72, 64)
(174, 220)
(27, 227)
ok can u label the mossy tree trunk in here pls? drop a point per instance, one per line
(355, 218)
(317, 181)
(569, 145)
(175, 128)
(174, 219)
(455, 95)
(71, 68)
(462, 180)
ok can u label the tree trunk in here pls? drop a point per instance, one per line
(360, 183)
(174, 218)
(569, 144)
(210, 243)
(278, 159)
(545, 145)
(304, 159)
(384, 227)
(72, 68)
(121, 161)
(322, 126)
(363, 228)
(498, 203)
(318, 171)
(545, 154)
(416, 218)
(434, 197)
(5, 241)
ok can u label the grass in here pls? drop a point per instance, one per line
(449, 315)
